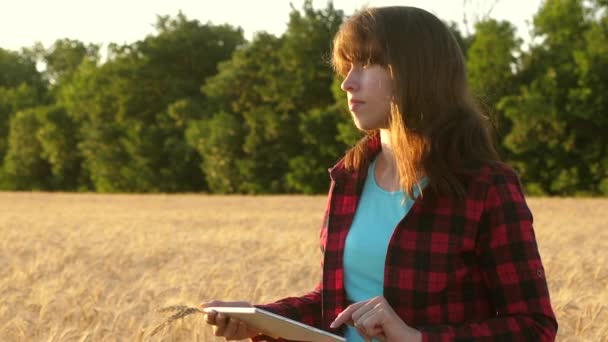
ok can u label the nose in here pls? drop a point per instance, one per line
(350, 83)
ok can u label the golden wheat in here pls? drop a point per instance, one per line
(182, 311)
(85, 267)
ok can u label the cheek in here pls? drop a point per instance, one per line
(387, 89)
(383, 105)
(383, 90)
(387, 97)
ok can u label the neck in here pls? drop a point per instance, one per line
(387, 174)
(386, 158)
(387, 155)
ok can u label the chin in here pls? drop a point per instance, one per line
(367, 126)
(360, 126)
(369, 122)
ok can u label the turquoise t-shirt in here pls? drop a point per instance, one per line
(378, 213)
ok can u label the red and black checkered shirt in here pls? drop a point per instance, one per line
(456, 269)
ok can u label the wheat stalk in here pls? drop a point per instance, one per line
(182, 311)
(173, 308)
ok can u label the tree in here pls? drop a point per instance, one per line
(319, 132)
(306, 55)
(219, 140)
(246, 94)
(94, 100)
(492, 67)
(277, 88)
(589, 104)
(21, 87)
(133, 110)
(63, 57)
(24, 169)
(57, 135)
(173, 65)
(559, 115)
(19, 68)
(464, 41)
(481, 11)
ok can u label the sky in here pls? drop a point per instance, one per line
(24, 22)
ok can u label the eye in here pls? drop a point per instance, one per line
(368, 63)
(360, 65)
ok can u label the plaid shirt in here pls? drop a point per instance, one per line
(455, 269)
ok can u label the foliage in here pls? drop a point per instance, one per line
(196, 107)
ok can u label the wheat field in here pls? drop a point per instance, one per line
(87, 267)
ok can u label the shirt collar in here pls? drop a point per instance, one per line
(373, 147)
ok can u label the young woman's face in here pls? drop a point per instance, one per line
(369, 92)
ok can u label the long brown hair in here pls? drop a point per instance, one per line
(436, 127)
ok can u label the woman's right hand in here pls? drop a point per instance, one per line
(229, 328)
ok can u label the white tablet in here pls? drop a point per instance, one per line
(276, 326)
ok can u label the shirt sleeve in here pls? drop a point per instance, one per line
(305, 309)
(512, 271)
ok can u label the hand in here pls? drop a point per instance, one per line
(229, 328)
(375, 318)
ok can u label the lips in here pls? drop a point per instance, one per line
(353, 104)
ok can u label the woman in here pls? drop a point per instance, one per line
(427, 236)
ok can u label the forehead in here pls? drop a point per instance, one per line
(356, 41)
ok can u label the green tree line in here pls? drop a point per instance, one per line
(198, 108)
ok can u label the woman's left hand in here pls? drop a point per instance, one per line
(375, 318)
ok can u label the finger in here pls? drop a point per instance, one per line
(346, 315)
(370, 335)
(231, 328)
(372, 320)
(210, 317)
(250, 331)
(363, 334)
(360, 308)
(220, 325)
(366, 307)
(371, 315)
(242, 332)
